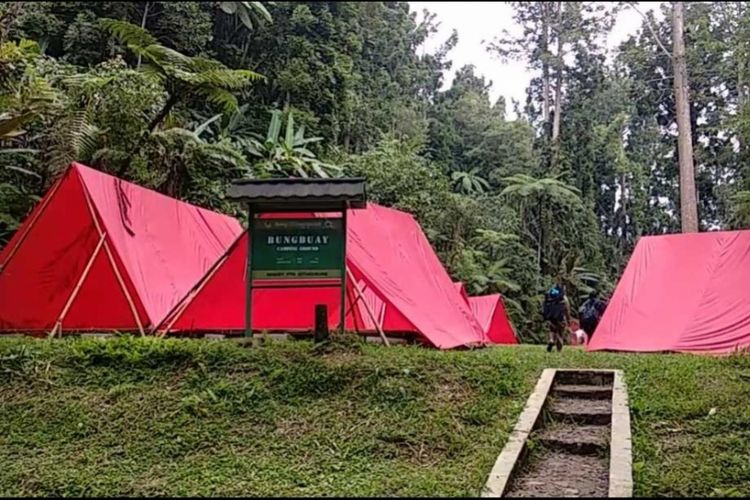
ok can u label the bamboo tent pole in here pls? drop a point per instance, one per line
(77, 288)
(367, 307)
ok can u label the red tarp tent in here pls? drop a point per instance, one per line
(98, 253)
(491, 314)
(461, 288)
(682, 292)
(391, 261)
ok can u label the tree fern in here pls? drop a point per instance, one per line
(182, 75)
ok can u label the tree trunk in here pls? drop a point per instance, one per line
(624, 203)
(688, 198)
(171, 101)
(545, 67)
(540, 252)
(558, 82)
(143, 27)
(740, 54)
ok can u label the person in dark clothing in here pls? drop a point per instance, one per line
(590, 313)
(557, 312)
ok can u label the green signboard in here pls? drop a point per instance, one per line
(297, 249)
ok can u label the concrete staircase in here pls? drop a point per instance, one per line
(566, 446)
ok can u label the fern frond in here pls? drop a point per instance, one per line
(77, 139)
(128, 33)
(222, 98)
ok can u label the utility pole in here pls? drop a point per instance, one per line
(688, 197)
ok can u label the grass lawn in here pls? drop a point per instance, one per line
(185, 417)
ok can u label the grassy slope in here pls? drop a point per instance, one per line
(148, 417)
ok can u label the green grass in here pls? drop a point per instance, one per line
(180, 417)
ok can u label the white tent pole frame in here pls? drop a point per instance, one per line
(31, 224)
(77, 288)
(367, 307)
(112, 262)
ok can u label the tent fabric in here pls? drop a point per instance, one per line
(492, 316)
(158, 246)
(462, 290)
(389, 257)
(682, 293)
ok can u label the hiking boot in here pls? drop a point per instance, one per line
(559, 345)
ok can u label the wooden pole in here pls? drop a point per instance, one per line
(688, 198)
(180, 308)
(112, 262)
(77, 288)
(367, 308)
(124, 288)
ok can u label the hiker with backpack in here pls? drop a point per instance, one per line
(590, 313)
(557, 312)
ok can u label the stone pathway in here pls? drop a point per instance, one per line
(569, 456)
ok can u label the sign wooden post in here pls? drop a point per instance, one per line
(249, 277)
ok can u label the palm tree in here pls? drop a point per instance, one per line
(288, 155)
(469, 182)
(183, 76)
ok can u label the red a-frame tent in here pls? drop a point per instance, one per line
(681, 293)
(491, 314)
(99, 253)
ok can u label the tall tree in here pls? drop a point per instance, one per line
(688, 200)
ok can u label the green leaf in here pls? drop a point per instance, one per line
(23, 171)
(245, 18)
(289, 140)
(274, 127)
(203, 126)
(228, 7)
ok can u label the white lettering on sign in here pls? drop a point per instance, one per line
(297, 240)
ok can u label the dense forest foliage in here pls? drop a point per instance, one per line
(184, 97)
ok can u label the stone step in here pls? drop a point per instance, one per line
(581, 411)
(576, 439)
(584, 378)
(582, 391)
(553, 475)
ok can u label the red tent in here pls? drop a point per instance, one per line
(392, 264)
(683, 292)
(462, 290)
(491, 314)
(98, 253)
